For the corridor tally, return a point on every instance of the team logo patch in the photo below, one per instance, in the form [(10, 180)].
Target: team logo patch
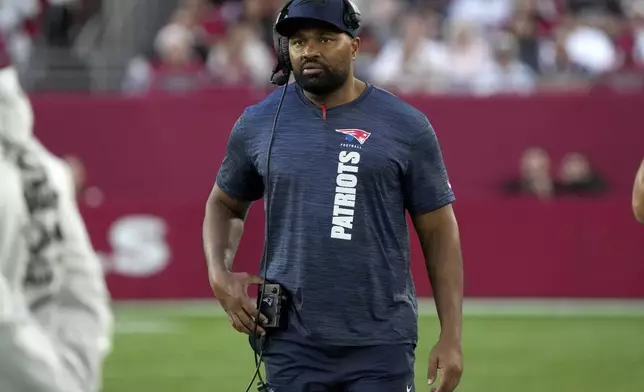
[(355, 134)]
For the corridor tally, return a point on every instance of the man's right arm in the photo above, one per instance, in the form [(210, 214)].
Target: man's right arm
[(638, 194), (222, 230), (238, 185)]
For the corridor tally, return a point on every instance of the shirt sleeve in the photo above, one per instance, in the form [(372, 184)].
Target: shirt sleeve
[(238, 176), (426, 183)]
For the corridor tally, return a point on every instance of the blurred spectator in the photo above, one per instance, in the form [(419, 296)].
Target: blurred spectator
[(577, 177), (467, 53), (242, 57), (201, 19), (636, 22), (14, 17), (262, 14), (414, 59), (506, 74), (490, 13), (535, 178), (58, 31), (557, 69), (588, 44), (603, 6), (370, 47), (63, 19), (524, 25), (436, 46), (177, 66), (379, 17)]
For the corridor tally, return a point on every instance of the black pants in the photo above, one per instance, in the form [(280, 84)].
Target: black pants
[(293, 367)]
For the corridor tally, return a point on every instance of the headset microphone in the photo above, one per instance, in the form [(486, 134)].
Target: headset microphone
[(280, 75)]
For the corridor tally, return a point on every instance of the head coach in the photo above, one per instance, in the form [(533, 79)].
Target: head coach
[(338, 167)]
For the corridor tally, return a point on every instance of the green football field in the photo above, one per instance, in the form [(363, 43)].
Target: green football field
[(508, 347)]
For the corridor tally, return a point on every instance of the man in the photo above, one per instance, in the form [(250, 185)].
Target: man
[(348, 160), (638, 194), (56, 328)]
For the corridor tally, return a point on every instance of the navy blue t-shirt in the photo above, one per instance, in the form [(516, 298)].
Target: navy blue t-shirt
[(339, 189)]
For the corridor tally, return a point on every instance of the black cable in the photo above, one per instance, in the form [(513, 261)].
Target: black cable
[(259, 363), (267, 207)]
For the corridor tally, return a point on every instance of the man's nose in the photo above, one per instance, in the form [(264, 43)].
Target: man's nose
[(310, 50)]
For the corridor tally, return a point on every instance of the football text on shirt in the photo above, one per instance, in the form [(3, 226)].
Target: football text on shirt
[(345, 195)]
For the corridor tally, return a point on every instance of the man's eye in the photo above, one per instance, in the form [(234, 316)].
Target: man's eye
[(325, 40)]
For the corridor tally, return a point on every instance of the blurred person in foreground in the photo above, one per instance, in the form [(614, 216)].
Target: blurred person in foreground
[(55, 320), (349, 160), (638, 194)]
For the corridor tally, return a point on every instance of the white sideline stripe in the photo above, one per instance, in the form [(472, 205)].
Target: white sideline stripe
[(472, 307), (125, 326)]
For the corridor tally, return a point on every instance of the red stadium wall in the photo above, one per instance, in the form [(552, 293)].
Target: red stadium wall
[(155, 159)]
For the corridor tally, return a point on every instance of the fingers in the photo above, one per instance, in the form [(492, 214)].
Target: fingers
[(450, 378), (432, 371), (244, 317), (238, 324), (253, 312), (250, 322), (243, 313), (253, 279), (243, 323)]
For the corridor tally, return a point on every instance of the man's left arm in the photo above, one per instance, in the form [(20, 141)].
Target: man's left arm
[(439, 239), (638, 194), (428, 198)]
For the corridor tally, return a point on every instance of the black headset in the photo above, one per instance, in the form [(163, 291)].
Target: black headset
[(350, 16)]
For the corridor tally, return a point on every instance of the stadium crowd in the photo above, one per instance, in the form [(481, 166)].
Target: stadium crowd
[(37, 37), (479, 47)]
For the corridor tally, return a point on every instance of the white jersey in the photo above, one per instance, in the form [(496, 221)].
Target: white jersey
[(52, 272), (16, 120), (13, 249), (29, 360), (78, 313)]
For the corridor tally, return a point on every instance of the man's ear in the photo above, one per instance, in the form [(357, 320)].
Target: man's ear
[(355, 47)]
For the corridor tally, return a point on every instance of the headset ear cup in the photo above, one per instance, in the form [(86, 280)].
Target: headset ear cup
[(282, 70), (356, 20), (284, 53), (352, 16)]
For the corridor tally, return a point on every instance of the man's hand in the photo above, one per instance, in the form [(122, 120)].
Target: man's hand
[(447, 357), (231, 289), (638, 194)]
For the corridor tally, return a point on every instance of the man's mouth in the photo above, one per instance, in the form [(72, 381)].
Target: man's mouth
[(311, 69)]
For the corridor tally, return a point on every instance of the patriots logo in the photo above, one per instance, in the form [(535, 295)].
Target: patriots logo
[(355, 134)]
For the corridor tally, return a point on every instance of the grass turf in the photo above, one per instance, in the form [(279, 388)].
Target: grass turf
[(171, 349)]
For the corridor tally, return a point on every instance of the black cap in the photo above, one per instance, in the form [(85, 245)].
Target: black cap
[(302, 11)]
